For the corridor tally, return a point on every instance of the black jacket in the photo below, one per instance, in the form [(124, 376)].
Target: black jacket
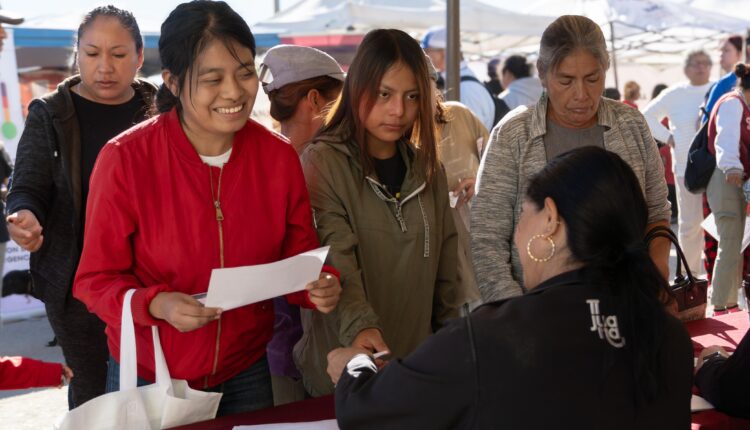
[(725, 382), (531, 362), (47, 181)]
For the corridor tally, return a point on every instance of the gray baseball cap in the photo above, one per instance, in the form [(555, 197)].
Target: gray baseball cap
[(286, 64), (7, 17)]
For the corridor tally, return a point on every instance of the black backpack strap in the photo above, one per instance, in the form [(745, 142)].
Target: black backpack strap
[(501, 108), (471, 78)]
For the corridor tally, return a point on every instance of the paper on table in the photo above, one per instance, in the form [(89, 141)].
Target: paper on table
[(313, 425), (698, 403), (239, 286), (709, 224)]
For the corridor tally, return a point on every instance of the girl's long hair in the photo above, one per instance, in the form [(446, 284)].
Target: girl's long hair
[(380, 50)]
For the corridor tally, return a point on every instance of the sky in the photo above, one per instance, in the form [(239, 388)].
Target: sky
[(146, 11)]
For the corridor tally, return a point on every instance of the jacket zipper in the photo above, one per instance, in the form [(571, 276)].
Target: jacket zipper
[(219, 219), (379, 189)]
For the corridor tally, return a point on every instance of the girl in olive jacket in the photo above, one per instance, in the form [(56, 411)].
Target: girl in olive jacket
[(380, 200)]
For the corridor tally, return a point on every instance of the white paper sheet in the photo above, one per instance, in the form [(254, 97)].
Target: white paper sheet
[(313, 425), (709, 224), (239, 286), (698, 403)]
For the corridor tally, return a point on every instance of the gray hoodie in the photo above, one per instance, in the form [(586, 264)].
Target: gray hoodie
[(523, 91)]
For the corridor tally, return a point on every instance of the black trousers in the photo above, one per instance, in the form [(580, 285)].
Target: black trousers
[(84, 345)]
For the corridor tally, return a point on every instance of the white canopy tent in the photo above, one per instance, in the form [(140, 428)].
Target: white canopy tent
[(654, 33), (413, 16), (646, 31), (479, 20), (650, 31)]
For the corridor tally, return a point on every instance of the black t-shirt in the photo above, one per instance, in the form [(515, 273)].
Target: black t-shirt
[(391, 173), (99, 123)]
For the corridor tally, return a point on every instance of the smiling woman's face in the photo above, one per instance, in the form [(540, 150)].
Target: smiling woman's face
[(574, 89), (219, 100)]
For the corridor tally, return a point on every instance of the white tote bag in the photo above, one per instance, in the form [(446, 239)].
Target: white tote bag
[(166, 403)]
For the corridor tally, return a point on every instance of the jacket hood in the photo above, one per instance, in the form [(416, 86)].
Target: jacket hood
[(347, 146), (64, 105), (530, 87)]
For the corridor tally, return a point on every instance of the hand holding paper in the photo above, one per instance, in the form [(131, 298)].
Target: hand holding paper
[(239, 286), (325, 292), (183, 312)]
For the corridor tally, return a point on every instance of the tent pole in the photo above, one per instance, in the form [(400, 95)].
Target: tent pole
[(614, 56), (453, 51)]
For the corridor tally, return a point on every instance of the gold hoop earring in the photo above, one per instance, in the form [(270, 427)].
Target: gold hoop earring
[(552, 251)]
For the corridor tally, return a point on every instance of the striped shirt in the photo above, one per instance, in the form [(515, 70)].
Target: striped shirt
[(515, 153)]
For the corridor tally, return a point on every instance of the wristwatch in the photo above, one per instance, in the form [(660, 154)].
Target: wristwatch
[(713, 355)]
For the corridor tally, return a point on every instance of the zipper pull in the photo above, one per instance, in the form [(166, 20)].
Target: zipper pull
[(219, 213)]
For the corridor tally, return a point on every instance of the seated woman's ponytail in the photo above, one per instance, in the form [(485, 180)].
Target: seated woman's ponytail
[(605, 214)]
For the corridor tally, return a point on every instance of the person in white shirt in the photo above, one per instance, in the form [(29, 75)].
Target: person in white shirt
[(681, 104), (473, 92), (729, 137)]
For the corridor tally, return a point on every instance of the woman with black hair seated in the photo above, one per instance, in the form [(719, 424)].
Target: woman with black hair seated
[(588, 346), (723, 378)]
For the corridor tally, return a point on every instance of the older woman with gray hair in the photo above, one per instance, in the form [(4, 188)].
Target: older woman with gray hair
[(571, 113)]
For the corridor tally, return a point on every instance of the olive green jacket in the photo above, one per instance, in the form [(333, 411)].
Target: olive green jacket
[(397, 258)]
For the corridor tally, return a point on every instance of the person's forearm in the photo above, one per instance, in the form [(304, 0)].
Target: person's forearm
[(659, 250)]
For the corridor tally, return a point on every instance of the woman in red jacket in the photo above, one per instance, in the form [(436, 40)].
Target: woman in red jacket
[(17, 373), (195, 188)]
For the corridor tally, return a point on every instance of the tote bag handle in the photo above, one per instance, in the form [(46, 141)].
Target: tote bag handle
[(128, 357)]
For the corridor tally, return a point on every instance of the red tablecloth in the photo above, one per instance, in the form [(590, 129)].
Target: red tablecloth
[(318, 409), (727, 331)]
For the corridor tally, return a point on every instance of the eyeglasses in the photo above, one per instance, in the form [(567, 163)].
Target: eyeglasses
[(697, 64)]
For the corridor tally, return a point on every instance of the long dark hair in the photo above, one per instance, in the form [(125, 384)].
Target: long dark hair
[(379, 50), (186, 32), (600, 200)]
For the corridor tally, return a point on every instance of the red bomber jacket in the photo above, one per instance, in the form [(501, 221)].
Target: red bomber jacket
[(158, 219), (19, 372)]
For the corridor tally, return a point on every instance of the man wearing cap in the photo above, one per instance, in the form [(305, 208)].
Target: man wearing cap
[(6, 166), (473, 93)]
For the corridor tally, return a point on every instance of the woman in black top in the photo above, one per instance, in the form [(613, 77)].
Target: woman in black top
[(56, 153), (589, 346), (723, 379)]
